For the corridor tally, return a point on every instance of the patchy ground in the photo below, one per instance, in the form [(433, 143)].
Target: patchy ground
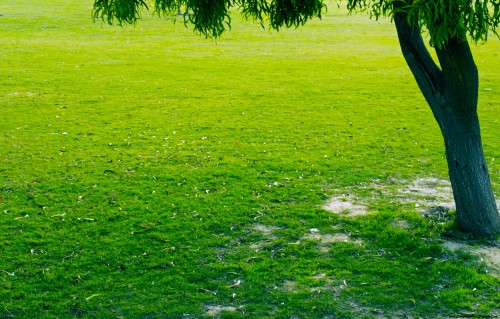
[(488, 254), (433, 198), (424, 193), (217, 310)]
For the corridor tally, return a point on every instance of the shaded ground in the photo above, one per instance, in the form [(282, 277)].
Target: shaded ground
[(431, 197)]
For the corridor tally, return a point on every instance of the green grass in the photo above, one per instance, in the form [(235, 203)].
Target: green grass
[(145, 171)]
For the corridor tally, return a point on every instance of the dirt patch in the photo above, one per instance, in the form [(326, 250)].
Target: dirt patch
[(320, 276), (430, 186), (345, 205), (216, 310), (325, 240), (328, 238), (290, 286), (490, 255), (432, 198), (323, 284), (427, 192), (424, 193), (401, 223), (265, 230)]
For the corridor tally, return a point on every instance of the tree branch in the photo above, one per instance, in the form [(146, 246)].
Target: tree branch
[(428, 75), (460, 72)]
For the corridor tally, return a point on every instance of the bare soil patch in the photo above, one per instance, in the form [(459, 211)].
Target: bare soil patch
[(216, 310), (490, 254), (432, 198), (325, 240), (346, 205), (267, 231), (427, 192), (424, 193)]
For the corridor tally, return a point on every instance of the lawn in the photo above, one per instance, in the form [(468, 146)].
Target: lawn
[(148, 172)]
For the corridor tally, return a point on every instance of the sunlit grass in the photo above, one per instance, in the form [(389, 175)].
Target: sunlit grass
[(147, 172)]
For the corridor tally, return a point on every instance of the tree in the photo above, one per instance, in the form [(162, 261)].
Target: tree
[(450, 85)]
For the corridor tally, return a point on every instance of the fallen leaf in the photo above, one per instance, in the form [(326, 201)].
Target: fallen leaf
[(236, 284)]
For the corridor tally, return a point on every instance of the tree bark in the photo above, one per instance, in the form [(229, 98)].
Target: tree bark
[(476, 207), (452, 94)]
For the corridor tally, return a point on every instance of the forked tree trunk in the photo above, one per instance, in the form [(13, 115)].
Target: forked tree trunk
[(452, 94)]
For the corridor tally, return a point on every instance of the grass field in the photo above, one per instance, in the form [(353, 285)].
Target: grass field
[(147, 172)]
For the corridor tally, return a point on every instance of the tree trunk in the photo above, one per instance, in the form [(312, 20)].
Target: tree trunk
[(451, 92), (476, 207)]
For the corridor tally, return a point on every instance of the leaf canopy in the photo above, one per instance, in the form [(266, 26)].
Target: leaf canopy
[(444, 19)]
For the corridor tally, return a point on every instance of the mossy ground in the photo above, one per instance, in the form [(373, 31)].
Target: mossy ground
[(147, 172)]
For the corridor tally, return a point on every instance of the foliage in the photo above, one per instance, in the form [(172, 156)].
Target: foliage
[(212, 18), (145, 173), (444, 19)]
